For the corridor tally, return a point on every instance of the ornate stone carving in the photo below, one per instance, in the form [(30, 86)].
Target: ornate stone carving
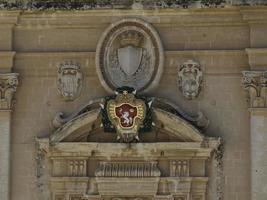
[(179, 168), (190, 79), (69, 80), (128, 169), (8, 86), (129, 53), (77, 168), (256, 84)]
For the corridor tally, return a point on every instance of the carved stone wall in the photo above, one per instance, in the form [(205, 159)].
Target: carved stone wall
[(223, 41), (132, 175)]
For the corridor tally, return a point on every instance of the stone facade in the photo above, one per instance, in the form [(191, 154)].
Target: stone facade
[(57, 150)]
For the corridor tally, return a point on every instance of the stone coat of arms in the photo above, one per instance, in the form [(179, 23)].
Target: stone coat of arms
[(129, 53), (69, 80)]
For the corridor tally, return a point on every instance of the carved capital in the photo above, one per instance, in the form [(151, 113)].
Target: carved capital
[(8, 86), (255, 82)]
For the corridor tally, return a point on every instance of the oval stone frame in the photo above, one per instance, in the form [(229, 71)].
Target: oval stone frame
[(112, 33)]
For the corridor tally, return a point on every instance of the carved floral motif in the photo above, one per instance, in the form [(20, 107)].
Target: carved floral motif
[(69, 80), (190, 79), (8, 86)]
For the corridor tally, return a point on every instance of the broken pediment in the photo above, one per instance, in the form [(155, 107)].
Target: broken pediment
[(168, 124)]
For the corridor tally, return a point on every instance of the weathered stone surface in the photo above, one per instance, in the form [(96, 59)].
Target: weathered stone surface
[(8, 87), (224, 42)]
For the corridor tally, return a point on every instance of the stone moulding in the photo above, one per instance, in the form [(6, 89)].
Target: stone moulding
[(8, 86), (112, 71), (119, 4)]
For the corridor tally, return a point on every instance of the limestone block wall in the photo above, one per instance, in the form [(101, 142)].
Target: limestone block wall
[(224, 41)]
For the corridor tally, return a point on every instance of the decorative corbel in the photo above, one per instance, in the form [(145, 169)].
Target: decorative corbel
[(8, 86), (256, 84)]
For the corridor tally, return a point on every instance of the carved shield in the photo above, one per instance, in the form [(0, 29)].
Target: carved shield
[(69, 80), (129, 59)]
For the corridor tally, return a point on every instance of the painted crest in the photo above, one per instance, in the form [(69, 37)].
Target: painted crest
[(129, 59), (126, 113)]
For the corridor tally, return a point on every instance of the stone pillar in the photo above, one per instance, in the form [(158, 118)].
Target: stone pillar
[(256, 84), (8, 85)]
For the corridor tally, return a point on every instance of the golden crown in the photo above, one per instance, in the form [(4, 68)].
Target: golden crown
[(130, 38)]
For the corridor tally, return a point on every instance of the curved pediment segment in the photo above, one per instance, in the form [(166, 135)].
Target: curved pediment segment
[(177, 126), (128, 117), (75, 127), (83, 126)]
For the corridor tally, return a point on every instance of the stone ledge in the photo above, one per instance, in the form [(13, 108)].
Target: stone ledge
[(258, 111), (171, 149), (9, 17)]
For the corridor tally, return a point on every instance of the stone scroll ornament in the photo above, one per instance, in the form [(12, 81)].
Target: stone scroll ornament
[(129, 53), (126, 114), (69, 80), (190, 79)]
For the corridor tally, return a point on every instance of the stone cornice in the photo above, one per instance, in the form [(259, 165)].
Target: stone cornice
[(258, 111), (233, 16), (122, 4), (256, 84), (171, 149), (8, 86), (9, 17)]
